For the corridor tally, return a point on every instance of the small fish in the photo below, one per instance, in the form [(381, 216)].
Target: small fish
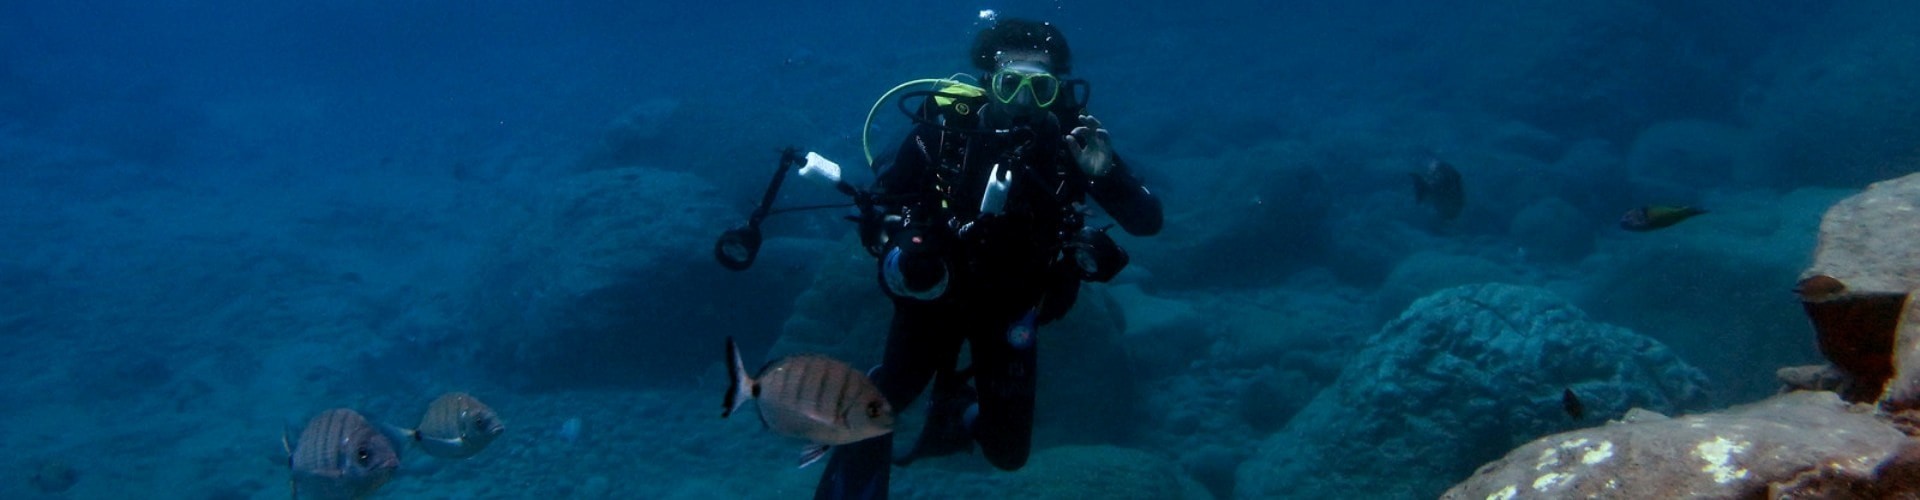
[(1571, 403), (339, 455), (812, 397), (1439, 187), (1653, 217), (456, 426), (1819, 288)]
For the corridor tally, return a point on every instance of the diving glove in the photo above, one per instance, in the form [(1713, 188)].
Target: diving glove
[(1092, 147)]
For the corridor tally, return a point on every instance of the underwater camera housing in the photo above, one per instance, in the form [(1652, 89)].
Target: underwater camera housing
[(1097, 256)]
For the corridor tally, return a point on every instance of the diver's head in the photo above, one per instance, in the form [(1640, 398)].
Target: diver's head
[(1021, 59), (1010, 35)]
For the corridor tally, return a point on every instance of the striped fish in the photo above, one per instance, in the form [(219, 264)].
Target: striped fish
[(456, 426), (812, 397), (339, 456)]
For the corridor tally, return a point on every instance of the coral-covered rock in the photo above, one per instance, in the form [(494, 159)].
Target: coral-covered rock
[(1863, 271), (1762, 449), (1456, 380), (1431, 271)]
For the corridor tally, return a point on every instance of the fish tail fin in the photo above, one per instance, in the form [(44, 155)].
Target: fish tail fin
[(739, 386), (399, 435), (1419, 188)]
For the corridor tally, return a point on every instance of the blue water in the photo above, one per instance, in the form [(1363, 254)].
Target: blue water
[(223, 217)]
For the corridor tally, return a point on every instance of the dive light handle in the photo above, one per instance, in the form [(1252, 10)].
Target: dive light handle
[(737, 247)]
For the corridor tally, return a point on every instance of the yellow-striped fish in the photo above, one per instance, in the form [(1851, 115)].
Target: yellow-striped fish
[(812, 397), (339, 456), (456, 426)]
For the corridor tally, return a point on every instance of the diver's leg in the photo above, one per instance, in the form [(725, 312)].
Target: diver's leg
[(920, 341), (1004, 372)]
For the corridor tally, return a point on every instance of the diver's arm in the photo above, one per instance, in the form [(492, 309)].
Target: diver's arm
[(1127, 200)]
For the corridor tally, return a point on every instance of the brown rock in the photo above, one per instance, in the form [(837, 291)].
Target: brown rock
[(1744, 452), (1861, 275), (1903, 392), (1812, 378)]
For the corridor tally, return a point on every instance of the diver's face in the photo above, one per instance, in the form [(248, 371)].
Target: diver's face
[(1022, 86)]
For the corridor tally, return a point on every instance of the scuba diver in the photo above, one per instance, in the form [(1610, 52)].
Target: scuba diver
[(980, 227)]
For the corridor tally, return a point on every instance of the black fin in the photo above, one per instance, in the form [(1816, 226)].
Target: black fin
[(737, 381)]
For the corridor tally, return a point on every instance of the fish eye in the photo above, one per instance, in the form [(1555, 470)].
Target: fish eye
[(873, 409), (363, 455)]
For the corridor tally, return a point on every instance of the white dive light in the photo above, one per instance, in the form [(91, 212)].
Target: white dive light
[(821, 169), (997, 184)]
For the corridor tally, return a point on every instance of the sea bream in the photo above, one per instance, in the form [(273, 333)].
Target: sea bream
[(339, 456), (812, 397), (456, 426)]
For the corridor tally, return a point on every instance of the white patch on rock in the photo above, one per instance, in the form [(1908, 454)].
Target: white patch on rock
[(1598, 453), (1548, 458), (1573, 444), (1719, 456), (1549, 481), (1506, 493)]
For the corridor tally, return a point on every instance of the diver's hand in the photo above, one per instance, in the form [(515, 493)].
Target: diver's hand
[(1091, 146)]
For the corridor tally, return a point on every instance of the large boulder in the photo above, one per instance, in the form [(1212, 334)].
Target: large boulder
[(1866, 240), (1863, 272), (613, 283), (1456, 380), (1803, 444)]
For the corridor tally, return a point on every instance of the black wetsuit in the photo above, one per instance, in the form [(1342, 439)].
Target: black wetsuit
[(1007, 269)]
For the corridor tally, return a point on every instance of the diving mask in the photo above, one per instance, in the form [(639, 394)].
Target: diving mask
[(1042, 87)]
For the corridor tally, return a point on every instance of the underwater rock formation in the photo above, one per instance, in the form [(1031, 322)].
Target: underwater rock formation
[(1862, 274), (1712, 291), (1107, 472), (612, 282), (636, 132), (1761, 449), (1456, 380)]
